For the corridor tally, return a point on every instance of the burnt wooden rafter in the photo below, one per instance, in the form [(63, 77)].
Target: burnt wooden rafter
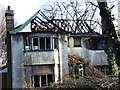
[(65, 25)]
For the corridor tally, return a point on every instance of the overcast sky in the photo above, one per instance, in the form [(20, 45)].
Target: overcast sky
[(24, 9)]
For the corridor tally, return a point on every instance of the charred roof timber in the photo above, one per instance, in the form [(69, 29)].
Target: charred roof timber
[(64, 25)]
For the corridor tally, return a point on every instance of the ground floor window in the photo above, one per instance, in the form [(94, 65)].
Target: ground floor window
[(104, 69), (42, 80)]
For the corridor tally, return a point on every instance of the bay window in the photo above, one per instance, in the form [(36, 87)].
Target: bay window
[(41, 43)]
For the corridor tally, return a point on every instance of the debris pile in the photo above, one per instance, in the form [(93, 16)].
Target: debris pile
[(93, 78)]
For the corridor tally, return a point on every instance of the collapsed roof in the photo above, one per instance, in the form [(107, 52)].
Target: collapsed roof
[(40, 22)]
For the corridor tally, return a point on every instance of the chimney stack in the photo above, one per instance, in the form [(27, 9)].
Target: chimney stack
[(9, 15)]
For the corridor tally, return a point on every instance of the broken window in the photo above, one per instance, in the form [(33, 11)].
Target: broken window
[(42, 43), (102, 44), (36, 81), (42, 80), (98, 44), (68, 42), (77, 41), (27, 43), (48, 46), (55, 43), (35, 43), (104, 69)]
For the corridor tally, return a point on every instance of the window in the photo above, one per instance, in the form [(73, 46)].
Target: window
[(27, 43), (55, 43), (104, 70), (35, 43), (77, 41), (48, 43), (42, 80), (98, 44), (101, 45), (36, 81), (41, 43), (68, 42)]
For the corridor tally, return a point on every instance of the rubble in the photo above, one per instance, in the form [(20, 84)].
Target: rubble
[(93, 78)]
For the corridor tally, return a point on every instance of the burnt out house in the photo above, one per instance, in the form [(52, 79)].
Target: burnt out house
[(90, 47), (37, 56), (40, 51)]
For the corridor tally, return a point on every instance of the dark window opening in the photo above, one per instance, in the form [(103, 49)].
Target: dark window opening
[(27, 43), (76, 73), (42, 43), (55, 43), (68, 42), (36, 81), (50, 79), (77, 42), (98, 44), (104, 70), (35, 43), (43, 80), (48, 46)]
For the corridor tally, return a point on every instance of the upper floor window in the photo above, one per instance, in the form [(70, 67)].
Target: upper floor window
[(98, 44), (55, 43), (41, 43), (35, 45), (77, 41), (27, 43)]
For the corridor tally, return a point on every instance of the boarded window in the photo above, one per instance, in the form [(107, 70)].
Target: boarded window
[(77, 41)]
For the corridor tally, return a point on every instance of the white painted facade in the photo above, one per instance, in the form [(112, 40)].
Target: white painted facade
[(53, 61), (93, 57)]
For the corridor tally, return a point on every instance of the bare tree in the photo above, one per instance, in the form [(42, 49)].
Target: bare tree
[(3, 53), (109, 29), (80, 17)]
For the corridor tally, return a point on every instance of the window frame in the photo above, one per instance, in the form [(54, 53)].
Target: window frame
[(49, 43), (55, 43), (33, 43), (47, 84), (77, 38), (27, 47)]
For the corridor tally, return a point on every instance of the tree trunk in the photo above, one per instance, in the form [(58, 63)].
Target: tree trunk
[(109, 29)]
